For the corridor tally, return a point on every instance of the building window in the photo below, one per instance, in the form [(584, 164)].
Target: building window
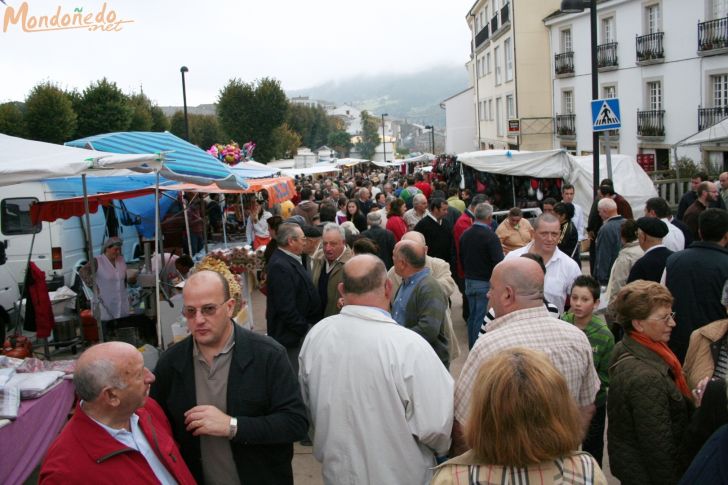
[(566, 45), (508, 51), (496, 55), (654, 95), (610, 91), (567, 102), (510, 107), (478, 68), (499, 116), (652, 18), (490, 109), (487, 63), (495, 6), (719, 85), (720, 9), (608, 33)]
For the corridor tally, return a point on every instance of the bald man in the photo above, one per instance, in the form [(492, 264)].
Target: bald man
[(379, 366), (516, 295), (117, 434), (231, 395), (420, 304)]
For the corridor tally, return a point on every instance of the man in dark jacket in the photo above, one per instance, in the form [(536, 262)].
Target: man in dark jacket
[(437, 232), (695, 277), (383, 237), (689, 197), (650, 231), (231, 396), (293, 303)]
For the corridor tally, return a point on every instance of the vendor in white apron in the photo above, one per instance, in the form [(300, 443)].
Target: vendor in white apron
[(111, 295)]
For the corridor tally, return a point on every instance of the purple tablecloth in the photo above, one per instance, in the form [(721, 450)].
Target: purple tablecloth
[(24, 442)]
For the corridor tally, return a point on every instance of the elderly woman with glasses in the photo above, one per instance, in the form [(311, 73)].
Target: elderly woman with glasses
[(649, 402)]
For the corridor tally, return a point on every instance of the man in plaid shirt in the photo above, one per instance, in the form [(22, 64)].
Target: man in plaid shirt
[(516, 295)]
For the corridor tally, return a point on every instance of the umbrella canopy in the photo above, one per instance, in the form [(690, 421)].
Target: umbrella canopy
[(718, 133), (24, 160), (183, 161)]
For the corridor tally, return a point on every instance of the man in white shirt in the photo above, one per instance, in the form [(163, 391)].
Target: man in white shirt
[(657, 207), (567, 195), (379, 398), (561, 270)]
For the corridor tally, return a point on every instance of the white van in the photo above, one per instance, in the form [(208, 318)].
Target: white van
[(59, 248)]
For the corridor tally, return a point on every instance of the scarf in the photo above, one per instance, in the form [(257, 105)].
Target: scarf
[(661, 349)]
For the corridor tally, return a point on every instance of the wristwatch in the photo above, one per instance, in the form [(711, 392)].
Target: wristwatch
[(233, 428)]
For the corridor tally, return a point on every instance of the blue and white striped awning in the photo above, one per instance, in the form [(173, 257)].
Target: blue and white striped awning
[(182, 161)]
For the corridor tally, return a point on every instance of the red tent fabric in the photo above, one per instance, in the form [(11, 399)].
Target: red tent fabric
[(51, 210)]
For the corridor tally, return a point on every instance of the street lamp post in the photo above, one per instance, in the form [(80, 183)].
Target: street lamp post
[(183, 70), (432, 137), (384, 140), (576, 6)]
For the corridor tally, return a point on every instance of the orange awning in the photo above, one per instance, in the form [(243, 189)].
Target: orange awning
[(279, 188)]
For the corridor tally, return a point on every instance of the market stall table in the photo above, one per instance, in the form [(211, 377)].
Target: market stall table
[(24, 442)]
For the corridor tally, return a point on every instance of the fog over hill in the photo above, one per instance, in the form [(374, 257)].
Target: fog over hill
[(415, 96)]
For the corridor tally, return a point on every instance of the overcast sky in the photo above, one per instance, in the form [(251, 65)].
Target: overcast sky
[(299, 42)]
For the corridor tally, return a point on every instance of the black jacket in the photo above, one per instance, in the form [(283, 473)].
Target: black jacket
[(262, 393), (438, 238), (695, 277), (480, 251), (292, 303), (385, 240), (650, 266)]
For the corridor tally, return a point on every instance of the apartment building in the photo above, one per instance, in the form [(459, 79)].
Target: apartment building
[(666, 61), (510, 71)]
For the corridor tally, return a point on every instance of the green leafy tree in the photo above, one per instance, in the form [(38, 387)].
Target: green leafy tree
[(103, 108), (204, 129), (252, 111), (369, 138), (286, 141), (141, 118), (12, 121), (49, 114), (341, 142), (312, 123), (160, 122)]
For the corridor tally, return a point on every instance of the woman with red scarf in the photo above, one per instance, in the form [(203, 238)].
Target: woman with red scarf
[(649, 402)]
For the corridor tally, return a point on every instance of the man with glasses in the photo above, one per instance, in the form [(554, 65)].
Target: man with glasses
[(231, 396), (516, 296), (293, 303)]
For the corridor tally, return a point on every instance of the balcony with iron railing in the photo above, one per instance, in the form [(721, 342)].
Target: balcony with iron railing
[(651, 123), (565, 126), (607, 56), (650, 49), (564, 64), (482, 36), (708, 117), (713, 37)]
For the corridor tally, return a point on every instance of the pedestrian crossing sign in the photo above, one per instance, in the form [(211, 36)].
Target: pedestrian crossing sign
[(605, 114)]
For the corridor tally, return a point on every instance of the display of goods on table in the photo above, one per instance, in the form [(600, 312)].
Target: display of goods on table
[(241, 259)]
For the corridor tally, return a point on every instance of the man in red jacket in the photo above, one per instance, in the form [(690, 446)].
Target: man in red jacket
[(117, 434)]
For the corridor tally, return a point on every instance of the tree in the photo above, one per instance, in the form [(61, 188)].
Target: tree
[(141, 118), (12, 121), (49, 114), (205, 130), (103, 108), (160, 122), (251, 112), (286, 141), (369, 139), (341, 142), (312, 123)]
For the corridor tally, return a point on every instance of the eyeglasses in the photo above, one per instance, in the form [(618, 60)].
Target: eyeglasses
[(664, 319), (207, 310)]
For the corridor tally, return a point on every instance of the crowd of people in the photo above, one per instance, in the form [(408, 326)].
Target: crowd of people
[(359, 279)]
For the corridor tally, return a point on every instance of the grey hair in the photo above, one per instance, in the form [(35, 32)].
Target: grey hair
[(545, 217), (370, 281), (374, 218), (413, 256), (286, 231), (419, 198), (90, 380), (332, 226), (483, 211), (607, 204)]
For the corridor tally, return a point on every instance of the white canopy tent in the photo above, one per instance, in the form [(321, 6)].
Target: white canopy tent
[(718, 133), (630, 180), (318, 168)]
